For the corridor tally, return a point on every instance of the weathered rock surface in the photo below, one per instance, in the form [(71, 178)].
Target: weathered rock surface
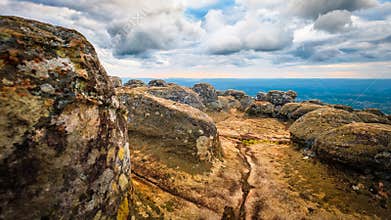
[(63, 136), (293, 111), (260, 108), (176, 93), (228, 103), (313, 124), (133, 83), (369, 117), (116, 81), (208, 95), (278, 98), (191, 132), (157, 83), (245, 100), (360, 145)]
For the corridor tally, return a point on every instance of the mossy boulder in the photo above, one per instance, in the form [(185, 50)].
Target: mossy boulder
[(359, 145), (188, 130), (63, 136), (313, 124), (228, 103)]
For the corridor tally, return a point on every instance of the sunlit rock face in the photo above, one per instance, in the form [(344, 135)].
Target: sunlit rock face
[(63, 135), (190, 132)]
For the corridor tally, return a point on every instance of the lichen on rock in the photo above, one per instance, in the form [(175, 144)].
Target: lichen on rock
[(58, 121)]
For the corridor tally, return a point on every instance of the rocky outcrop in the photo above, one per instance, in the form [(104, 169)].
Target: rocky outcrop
[(63, 141), (157, 83), (116, 81), (277, 98), (228, 103), (176, 93), (133, 83), (260, 108), (245, 100), (313, 124), (191, 132), (360, 145), (293, 111), (369, 117), (208, 95)]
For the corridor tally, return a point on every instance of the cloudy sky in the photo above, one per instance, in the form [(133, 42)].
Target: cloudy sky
[(227, 38)]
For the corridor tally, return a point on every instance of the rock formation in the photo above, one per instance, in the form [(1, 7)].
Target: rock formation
[(360, 145), (178, 94), (116, 81), (191, 132), (260, 108), (63, 141), (293, 111), (313, 124), (242, 97), (277, 98), (157, 83), (133, 83)]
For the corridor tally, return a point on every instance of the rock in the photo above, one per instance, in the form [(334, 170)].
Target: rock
[(235, 93), (293, 111), (190, 131), (208, 95), (343, 107), (117, 82), (313, 124), (261, 96), (280, 98), (374, 111), (314, 101), (286, 110), (176, 93), (133, 83), (245, 100), (229, 103), (260, 108), (372, 118), (359, 145), (63, 135), (157, 83)]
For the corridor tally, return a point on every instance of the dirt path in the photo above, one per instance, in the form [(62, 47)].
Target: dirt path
[(262, 176)]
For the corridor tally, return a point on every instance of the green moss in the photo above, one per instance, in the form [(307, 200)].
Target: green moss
[(248, 142)]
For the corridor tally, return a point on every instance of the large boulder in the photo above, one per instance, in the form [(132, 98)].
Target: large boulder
[(260, 108), (176, 93), (278, 98), (293, 111), (116, 81), (188, 129), (134, 83), (313, 124), (360, 145), (208, 95), (63, 136), (157, 83), (228, 103), (242, 97)]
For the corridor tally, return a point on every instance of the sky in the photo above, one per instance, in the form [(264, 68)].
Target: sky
[(227, 38)]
